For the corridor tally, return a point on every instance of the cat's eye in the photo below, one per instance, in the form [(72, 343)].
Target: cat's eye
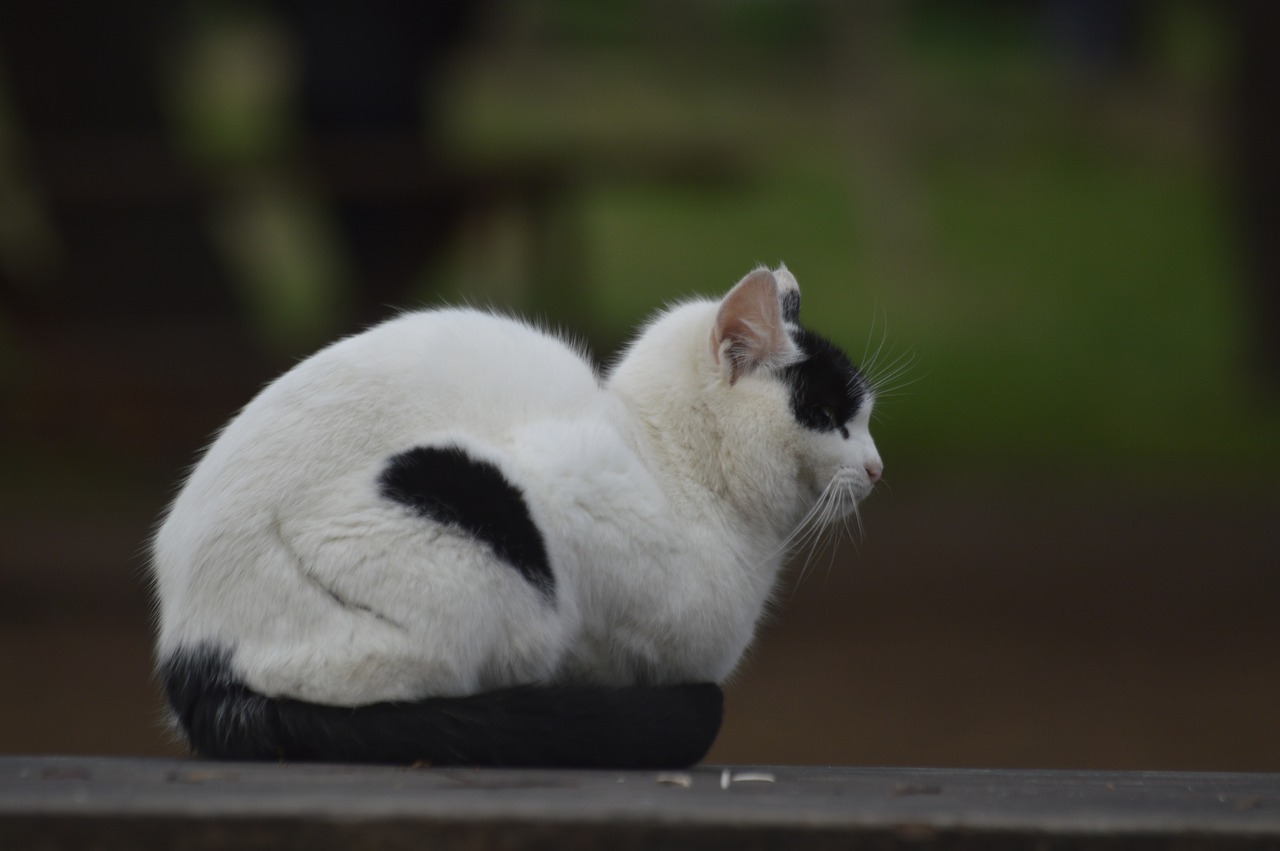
[(833, 422)]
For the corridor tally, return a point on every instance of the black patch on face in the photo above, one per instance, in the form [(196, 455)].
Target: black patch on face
[(449, 486), (826, 388)]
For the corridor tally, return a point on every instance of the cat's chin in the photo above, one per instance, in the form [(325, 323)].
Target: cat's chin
[(847, 488)]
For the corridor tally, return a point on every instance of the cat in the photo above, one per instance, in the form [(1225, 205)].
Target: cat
[(448, 539)]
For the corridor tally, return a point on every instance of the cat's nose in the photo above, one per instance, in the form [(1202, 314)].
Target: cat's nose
[(875, 469)]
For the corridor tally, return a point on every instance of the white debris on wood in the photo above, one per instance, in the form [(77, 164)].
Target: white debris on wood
[(727, 778), (753, 777), (684, 781)]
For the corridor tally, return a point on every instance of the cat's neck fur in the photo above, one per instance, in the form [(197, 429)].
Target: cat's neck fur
[(710, 458)]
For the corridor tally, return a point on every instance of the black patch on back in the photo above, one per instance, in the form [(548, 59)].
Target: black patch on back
[(449, 486), (561, 725), (824, 380)]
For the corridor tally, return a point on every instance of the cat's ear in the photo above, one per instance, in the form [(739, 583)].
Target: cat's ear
[(749, 332), (788, 294)]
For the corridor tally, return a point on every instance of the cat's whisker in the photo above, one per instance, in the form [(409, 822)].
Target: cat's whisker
[(798, 536), (869, 361), (811, 521), (849, 498), (808, 558), (828, 542), (885, 391), (818, 525), (810, 553), (885, 379), (808, 531), (824, 523), (905, 355), (868, 358)]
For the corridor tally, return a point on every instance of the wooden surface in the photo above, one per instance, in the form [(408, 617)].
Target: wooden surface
[(74, 802)]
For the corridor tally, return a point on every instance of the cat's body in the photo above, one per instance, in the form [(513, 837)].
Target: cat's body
[(453, 504)]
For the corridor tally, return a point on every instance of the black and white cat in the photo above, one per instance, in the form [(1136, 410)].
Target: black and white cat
[(448, 539)]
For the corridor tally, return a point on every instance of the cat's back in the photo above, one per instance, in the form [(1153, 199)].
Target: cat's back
[(414, 379), (453, 368), (479, 356)]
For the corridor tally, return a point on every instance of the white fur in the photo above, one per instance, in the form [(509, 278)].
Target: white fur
[(664, 493)]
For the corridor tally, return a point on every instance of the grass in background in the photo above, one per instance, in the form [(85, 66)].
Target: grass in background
[(1057, 261), (1054, 255)]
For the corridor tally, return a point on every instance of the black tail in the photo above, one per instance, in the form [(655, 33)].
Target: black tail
[(548, 726)]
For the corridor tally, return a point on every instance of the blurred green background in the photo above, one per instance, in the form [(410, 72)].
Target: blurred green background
[(1048, 227)]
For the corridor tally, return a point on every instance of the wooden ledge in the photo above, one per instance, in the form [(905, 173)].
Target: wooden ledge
[(140, 804)]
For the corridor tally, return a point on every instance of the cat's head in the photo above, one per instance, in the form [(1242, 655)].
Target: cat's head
[(821, 417), (760, 410)]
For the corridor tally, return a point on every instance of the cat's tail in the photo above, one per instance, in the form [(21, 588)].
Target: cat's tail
[(548, 726)]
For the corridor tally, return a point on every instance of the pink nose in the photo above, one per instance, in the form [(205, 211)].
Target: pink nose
[(875, 469)]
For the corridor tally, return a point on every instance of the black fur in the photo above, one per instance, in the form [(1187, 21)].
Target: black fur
[(577, 726), (826, 388), (449, 486), (791, 305)]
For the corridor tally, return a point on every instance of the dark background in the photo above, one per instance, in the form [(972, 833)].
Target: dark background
[(1048, 228)]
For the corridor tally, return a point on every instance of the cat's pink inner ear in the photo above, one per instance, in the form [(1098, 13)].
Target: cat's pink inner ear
[(749, 332)]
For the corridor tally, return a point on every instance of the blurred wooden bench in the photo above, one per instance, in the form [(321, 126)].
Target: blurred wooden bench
[(140, 804)]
